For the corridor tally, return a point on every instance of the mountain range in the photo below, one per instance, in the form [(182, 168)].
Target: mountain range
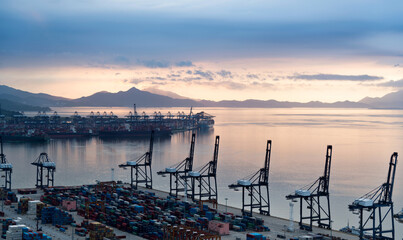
[(26, 100)]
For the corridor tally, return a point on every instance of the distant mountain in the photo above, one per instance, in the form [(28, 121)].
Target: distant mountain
[(164, 93), (16, 106), (127, 98), (276, 104), (391, 100), (148, 99), (23, 97)]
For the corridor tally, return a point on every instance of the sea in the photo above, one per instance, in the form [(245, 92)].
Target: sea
[(363, 141)]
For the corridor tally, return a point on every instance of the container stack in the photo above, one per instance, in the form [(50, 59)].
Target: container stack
[(15, 232), (98, 231), (47, 215), (23, 205), (255, 236), (146, 215), (31, 235), (32, 207), (55, 216), (61, 217), (5, 224), (39, 208), (12, 197)]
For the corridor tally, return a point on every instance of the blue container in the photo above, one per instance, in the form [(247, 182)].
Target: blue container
[(139, 209), (209, 215)]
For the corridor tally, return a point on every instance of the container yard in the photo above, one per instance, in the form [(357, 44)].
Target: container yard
[(43, 127), (112, 211)]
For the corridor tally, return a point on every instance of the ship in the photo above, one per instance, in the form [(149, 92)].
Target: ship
[(105, 125), (71, 132), (24, 136)]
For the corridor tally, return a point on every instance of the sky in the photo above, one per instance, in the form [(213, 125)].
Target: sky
[(288, 50)]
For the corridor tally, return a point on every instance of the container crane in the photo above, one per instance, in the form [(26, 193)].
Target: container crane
[(141, 168), (312, 195), (41, 163), (176, 172), (374, 202), (256, 187), (205, 179), (5, 167)]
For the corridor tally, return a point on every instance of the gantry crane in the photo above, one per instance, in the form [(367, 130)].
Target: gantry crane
[(41, 163), (176, 172), (256, 188), (141, 167), (203, 181), (374, 202), (5, 167), (312, 195)]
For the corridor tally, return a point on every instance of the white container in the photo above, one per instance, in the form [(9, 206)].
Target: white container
[(303, 193), (49, 164), (244, 182), (364, 202), (194, 174), (131, 163), (6, 166), (32, 207), (170, 170)]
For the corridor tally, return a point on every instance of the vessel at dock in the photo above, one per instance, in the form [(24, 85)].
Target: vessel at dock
[(23, 136), (42, 127)]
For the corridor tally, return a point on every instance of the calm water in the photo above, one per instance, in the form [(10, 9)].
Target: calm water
[(363, 141)]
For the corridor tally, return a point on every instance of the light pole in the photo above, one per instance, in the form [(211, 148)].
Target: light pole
[(226, 200), (3, 190)]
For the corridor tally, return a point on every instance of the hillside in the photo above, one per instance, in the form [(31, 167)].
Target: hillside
[(33, 99), (391, 100), (148, 99), (16, 106)]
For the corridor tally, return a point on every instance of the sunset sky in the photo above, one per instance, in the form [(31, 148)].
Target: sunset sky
[(284, 50)]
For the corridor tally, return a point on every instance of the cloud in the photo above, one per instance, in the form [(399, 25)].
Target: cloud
[(184, 64), (394, 84), (207, 74), (233, 85), (173, 75), (252, 76), (337, 77), (154, 63), (135, 80), (225, 74)]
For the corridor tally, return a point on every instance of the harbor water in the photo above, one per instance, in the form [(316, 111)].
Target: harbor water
[(363, 141)]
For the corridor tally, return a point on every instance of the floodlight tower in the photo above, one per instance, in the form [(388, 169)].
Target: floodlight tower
[(374, 202), (41, 163), (178, 172), (256, 188), (141, 168), (5, 167), (205, 179), (312, 195)]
